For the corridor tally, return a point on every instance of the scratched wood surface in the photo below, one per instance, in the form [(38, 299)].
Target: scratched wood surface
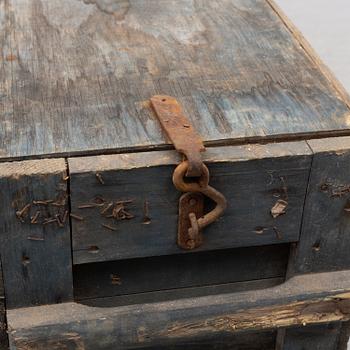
[(35, 241), (324, 242), (254, 178), (74, 75), (307, 299)]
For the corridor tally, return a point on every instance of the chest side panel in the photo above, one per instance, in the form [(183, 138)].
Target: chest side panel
[(325, 240), (35, 243)]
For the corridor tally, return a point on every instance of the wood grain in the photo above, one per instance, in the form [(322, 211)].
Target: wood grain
[(35, 238), (75, 75), (324, 242), (308, 299), (253, 178)]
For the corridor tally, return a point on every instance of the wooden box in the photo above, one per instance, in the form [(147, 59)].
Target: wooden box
[(79, 139)]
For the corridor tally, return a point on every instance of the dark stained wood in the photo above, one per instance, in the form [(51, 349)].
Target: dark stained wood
[(3, 333), (253, 178), (74, 76), (181, 293), (344, 336), (308, 299), (247, 341), (325, 243), (179, 271), (320, 337), (35, 249)]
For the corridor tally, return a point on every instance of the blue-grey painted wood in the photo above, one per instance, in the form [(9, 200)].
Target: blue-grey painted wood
[(253, 178), (325, 241), (3, 333), (75, 75), (35, 247), (310, 299)]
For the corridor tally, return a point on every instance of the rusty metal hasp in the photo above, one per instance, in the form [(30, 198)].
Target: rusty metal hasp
[(196, 187)]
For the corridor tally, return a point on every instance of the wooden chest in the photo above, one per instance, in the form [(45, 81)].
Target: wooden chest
[(89, 212)]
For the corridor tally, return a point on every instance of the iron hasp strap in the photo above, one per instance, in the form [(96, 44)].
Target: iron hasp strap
[(180, 132)]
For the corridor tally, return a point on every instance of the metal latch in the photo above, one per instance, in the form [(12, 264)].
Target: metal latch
[(190, 176)]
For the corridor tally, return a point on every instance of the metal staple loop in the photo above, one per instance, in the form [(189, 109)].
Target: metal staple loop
[(203, 187)]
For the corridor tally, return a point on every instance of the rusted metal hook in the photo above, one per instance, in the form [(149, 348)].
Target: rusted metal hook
[(186, 141), (192, 239)]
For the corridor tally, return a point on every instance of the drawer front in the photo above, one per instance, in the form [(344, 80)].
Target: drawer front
[(254, 179)]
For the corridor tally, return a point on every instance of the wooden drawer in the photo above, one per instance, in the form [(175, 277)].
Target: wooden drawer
[(253, 178)]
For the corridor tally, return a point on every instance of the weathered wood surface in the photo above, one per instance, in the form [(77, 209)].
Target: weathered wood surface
[(75, 75), (325, 241), (179, 271), (302, 300), (3, 334), (35, 236), (253, 178)]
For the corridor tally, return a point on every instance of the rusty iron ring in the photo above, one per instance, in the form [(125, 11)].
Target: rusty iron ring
[(180, 174), (201, 186)]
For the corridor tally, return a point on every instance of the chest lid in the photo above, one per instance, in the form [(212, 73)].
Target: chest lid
[(76, 76)]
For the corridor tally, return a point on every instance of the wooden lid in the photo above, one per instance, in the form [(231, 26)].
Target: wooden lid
[(76, 77)]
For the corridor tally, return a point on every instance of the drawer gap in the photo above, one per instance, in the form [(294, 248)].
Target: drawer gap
[(143, 280)]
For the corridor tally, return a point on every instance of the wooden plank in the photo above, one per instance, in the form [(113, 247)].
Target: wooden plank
[(344, 336), (181, 293), (76, 76), (3, 327), (320, 337), (35, 240), (247, 341), (179, 271), (324, 243), (253, 178), (307, 299)]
